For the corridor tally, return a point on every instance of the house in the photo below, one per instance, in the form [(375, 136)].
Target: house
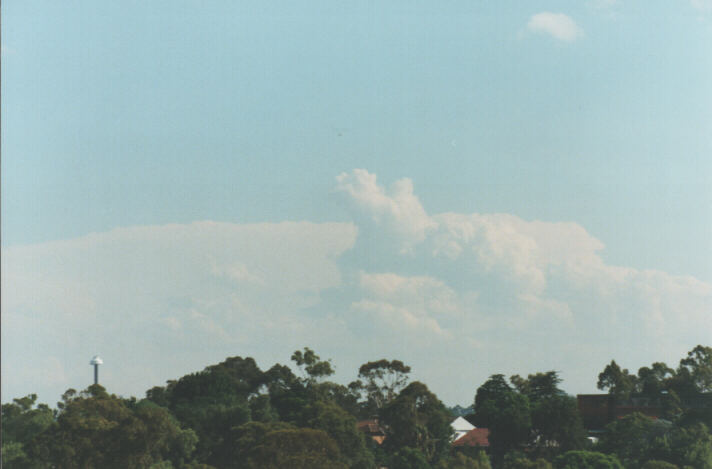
[(460, 426), (478, 437), (372, 429), (467, 434)]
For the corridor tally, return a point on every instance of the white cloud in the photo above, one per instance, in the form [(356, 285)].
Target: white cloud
[(399, 210), (504, 278), (557, 25)]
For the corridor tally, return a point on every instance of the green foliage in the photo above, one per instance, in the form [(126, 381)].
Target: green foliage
[(619, 383), (417, 419), (214, 400), (312, 366), (381, 381), (654, 464), (95, 429), (631, 438), (261, 409), (524, 463), (13, 455), (586, 460), (341, 427), (408, 458), (698, 366), (538, 386), (299, 448), (235, 449), (653, 380), (22, 420), (556, 423), (505, 412), (685, 446), (458, 460)]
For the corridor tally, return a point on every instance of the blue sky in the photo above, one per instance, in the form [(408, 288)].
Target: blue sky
[(472, 187)]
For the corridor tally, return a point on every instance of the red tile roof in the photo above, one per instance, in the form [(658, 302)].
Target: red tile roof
[(475, 437)]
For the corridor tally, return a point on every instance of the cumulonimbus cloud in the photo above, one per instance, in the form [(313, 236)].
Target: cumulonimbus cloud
[(503, 272), (457, 296)]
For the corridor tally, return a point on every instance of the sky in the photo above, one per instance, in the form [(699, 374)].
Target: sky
[(470, 187)]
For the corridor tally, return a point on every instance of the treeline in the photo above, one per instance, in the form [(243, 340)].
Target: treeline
[(235, 415)]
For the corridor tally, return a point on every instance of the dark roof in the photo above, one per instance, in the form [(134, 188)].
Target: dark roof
[(475, 437)]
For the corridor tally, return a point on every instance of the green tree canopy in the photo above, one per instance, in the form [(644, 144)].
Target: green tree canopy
[(619, 382), (312, 366), (587, 460), (381, 381), (631, 438), (297, 448), (417, 419), (95, 429), (505, 412)]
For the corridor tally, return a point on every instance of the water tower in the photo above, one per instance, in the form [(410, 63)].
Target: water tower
[(96, 361)]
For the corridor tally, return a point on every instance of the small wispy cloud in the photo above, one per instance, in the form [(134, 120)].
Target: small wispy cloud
[(702, 5), (556, 25)]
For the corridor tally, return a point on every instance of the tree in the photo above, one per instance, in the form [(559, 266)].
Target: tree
[(458, 460), (698, 366), (538, 386), (632, 438), (213, 400), (298, 448), (312, 366), (408, 458), (22, 420), (341, 427), (654, 464), (417, 419), (505, 412), (235, 449), (381, 381), (586, 460), (95, 429), (619, 383), (653, 380), (685, 446), (524, 463), (556, 423)]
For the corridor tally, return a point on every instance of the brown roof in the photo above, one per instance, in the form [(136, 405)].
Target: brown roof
[(475, 437), (370, 427)]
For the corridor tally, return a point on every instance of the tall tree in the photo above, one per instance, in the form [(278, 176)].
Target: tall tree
[(556, 423), (341, 427), (417, 419), (381, 381), (698, 366), (619, 382), (505, 412), (312, 366), (653, 380)]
